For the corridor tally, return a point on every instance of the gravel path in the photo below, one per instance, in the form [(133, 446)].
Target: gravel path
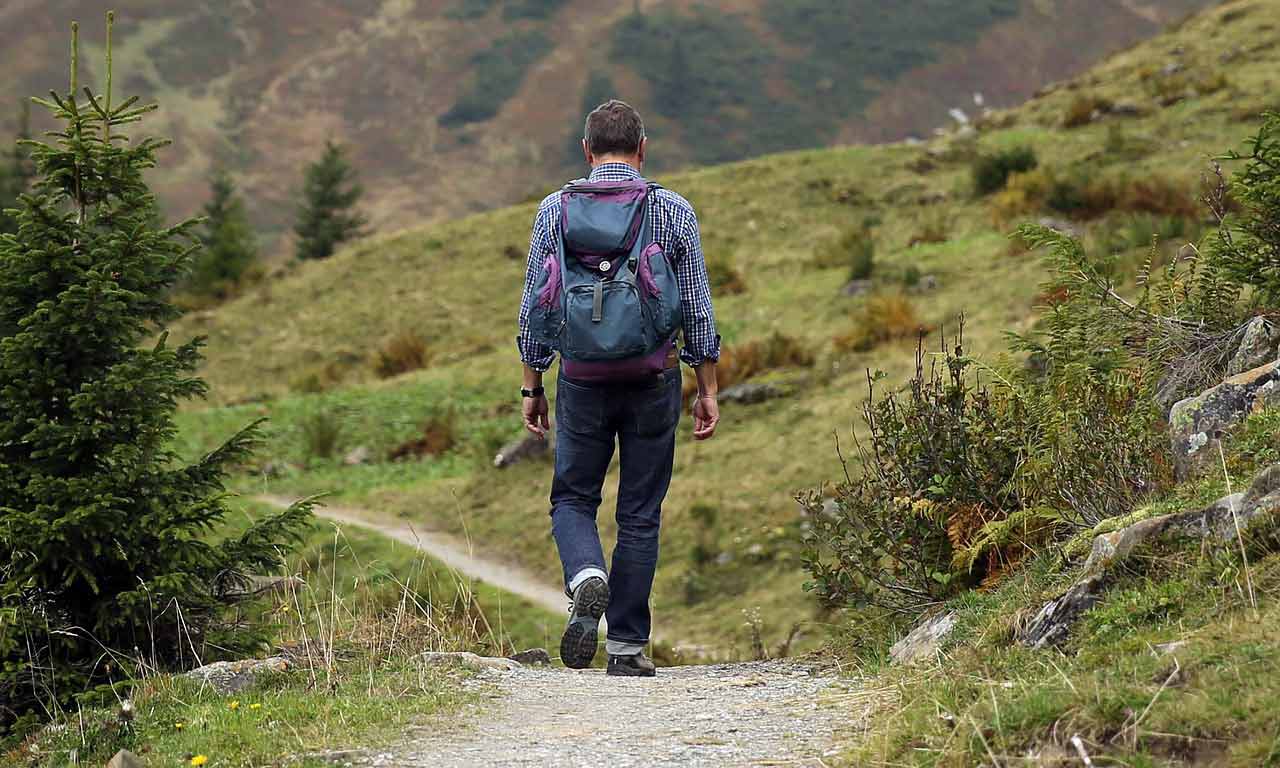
[(764, 713)]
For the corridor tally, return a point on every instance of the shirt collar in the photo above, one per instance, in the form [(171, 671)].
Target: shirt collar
[(613, 172)]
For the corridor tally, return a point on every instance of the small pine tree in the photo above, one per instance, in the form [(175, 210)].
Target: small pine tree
[(227, 238), (327, 216), (105, 550), (15, 173)]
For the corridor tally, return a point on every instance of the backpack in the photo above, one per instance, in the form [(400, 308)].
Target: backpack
[(607, 298)]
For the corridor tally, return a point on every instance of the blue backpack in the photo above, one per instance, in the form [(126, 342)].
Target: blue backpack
[(607, 299)]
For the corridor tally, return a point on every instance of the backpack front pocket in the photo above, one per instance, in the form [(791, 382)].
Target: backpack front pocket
[(606, 321)]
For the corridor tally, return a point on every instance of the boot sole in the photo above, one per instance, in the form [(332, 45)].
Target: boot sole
[(578, 644)]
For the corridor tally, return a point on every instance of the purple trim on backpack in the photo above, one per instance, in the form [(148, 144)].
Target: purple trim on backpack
[(550, 291), (619, 370), (645, 272)]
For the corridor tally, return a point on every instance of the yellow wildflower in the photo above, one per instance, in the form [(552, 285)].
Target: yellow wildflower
[(178, 726), (199, 760), (255, 705), (233, 705)]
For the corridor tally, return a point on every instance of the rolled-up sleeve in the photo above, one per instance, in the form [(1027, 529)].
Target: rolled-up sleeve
[(701, 341), (533, 354)]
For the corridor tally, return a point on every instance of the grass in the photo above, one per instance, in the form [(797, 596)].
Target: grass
[(280, 721), (766, 218), (365, 609)]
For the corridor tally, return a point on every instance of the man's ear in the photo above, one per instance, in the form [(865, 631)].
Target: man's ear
[(586, 152), (644, 145)]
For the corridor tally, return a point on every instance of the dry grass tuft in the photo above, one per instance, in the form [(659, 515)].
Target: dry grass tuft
[(402, 353), (884, 317), (439, 435)]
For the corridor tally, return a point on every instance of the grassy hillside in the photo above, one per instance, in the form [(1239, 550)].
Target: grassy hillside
[(1120, 149), (442, 99)]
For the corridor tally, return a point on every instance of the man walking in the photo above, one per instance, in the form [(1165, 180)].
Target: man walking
[(619, 377)]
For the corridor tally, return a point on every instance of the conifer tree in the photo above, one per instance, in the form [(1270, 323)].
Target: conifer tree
[(227, 238), (105, 547), (15, 173), (327, 216)]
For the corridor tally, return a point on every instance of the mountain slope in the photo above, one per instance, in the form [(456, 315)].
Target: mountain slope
[(454, 106), (1146, 121)]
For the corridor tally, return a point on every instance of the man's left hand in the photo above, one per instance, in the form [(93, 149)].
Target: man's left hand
[(536, 415)]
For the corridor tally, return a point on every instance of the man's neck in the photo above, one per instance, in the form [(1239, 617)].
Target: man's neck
[(614, 159)]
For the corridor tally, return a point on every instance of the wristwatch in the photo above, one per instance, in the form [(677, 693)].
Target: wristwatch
[(535, 392)]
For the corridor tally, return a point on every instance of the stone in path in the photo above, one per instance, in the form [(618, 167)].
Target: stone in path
[(715, 715)]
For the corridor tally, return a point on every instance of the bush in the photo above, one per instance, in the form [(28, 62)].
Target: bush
[(883, 317), (495, 74), (439, 435), (322, 432), (402, 353), (740, 362), (1081, 194), (854, 248), (991, 172), (725, 279), (1084, 109)]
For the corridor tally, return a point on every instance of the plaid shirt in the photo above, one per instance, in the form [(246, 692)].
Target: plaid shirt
[(674, 227)]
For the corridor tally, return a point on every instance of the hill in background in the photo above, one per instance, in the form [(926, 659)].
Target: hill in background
[(455, 106), (1121, 152)]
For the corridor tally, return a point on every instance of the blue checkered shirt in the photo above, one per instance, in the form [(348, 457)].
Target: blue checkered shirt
[(674, 227)]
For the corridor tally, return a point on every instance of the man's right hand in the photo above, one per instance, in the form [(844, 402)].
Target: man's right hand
[(537, 415)]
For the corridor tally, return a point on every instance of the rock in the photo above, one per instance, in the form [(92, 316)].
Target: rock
[(926, 284), (1196, 424), (275, 469), (1217, 522), (1127, 109), (923, 641), (750, 394), (232, 676), (1052, 623), (468, 660), (523, 449), (356, 456), (125, 759), (1060, 225), (532, 657), (855, 288), (1258, 346)]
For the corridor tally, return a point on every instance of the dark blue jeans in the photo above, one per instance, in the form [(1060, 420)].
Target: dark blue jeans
[(642, 417)]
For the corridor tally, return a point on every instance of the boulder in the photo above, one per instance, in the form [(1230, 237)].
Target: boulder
[(467, 660), (924, 641), (1216, 523), (1258, 346), (227, 677), (125, 759), (855, 288), (1053, 621), (1196, 424), (524, 448), (537, 657), (750, 394), (357, 456)]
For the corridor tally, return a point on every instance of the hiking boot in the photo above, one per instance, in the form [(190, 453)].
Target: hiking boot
[(631, 665), (578, 645)]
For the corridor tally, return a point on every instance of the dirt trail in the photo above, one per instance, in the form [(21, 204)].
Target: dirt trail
[(763, 713), (448, 550)]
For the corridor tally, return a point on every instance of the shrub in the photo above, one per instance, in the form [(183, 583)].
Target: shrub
[(321, 431), (725, 279), (883, 317), (740, 362), (1084, 109), (1081, 194), (991, 172), (402, 353), (439, 435), (495, 74), (854, 248)]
